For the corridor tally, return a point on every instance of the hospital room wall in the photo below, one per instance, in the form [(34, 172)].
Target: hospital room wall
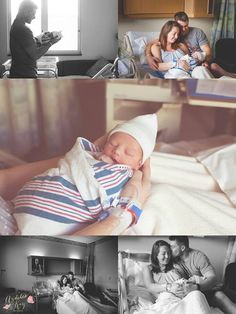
[(152, 25), (40, 119), (99, 23), (13, 258), (211, 246), (105, 263)]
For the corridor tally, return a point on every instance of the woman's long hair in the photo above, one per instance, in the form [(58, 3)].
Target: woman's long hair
[(167, 27), (155, 266), (60, 282)]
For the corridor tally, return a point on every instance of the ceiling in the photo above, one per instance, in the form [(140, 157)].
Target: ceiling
[(81, 239)]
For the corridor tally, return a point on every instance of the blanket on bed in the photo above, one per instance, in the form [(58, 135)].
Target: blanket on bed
[(77, 303), (191, 195), (167, 303)]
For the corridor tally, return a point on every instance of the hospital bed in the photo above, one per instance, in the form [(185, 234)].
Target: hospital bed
[(47, 67), (133, 47), (132, 291), (193, 165)]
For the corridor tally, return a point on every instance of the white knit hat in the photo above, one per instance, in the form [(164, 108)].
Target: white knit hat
[(143, 129)]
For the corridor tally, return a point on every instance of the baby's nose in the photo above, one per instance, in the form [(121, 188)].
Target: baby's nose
[(116, 151)]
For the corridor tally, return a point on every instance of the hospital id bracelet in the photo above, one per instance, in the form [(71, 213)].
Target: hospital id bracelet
[(174, 64), (124, 201), (135, 212), (168, 287), (103, 215)]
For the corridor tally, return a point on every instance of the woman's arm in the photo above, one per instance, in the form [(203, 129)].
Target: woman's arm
[(138, 189), (149, 282), (156, 52), (151, 60), (12, 179), (155, 288)]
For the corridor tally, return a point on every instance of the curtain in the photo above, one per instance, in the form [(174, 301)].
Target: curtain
[(231, 251), (90, 264), (224, 21), (123, 299), (39, 118)]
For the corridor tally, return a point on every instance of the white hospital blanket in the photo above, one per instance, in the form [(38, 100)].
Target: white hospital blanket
[(189, 197), (195, 303)]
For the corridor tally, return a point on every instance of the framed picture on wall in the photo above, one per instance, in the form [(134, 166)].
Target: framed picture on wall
[(36, 265)]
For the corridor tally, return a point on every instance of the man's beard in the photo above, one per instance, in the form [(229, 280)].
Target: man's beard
[(176, 258)]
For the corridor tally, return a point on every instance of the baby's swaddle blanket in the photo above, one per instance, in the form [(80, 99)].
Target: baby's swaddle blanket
[(62, 199), (180, 72)]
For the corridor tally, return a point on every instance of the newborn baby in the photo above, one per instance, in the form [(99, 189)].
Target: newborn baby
[(178, 72), (87, 180)]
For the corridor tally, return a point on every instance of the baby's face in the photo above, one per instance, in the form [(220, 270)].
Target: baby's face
[(122, 148)]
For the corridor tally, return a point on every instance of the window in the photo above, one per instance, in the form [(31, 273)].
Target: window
[(54, 15)]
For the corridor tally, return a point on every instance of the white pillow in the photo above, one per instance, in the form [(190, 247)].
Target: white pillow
[(138, 41), (134, 271)]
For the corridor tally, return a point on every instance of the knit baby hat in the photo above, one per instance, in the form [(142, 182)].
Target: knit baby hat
[(143, 129)]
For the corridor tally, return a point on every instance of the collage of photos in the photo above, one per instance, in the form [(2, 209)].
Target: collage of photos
[(118, 157)]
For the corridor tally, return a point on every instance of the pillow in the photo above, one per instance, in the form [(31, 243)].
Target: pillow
[(141, 43), (138, 41), (134, 272)]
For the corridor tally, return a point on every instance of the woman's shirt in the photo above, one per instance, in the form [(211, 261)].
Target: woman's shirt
[(168, 277), (174, 55)]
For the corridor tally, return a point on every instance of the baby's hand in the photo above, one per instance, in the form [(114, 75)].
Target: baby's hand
[(200, 56), (196, 279), (183, 64), (181, 281), (106, 159)]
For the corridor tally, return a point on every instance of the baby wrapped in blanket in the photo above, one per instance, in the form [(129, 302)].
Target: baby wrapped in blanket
[(177, 72), (168, 303), (86, 182)]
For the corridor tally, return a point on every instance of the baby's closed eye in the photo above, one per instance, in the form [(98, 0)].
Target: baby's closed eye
[(130, 153)]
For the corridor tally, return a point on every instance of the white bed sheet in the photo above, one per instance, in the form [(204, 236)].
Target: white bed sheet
[(76, 303), (191, 195)]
